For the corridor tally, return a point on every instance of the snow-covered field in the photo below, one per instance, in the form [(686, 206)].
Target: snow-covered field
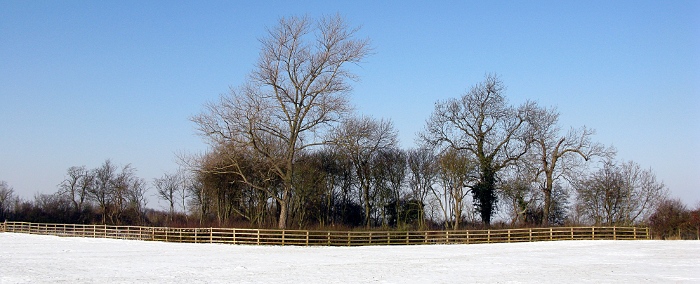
[(43, 259)]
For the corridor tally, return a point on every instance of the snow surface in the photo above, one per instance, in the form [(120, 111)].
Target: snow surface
[(43, 259)]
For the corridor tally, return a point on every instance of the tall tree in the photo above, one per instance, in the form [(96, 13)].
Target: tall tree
[(296, 92), (482, 124), (557, 156)]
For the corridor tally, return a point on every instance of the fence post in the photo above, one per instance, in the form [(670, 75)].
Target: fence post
[(211, 235), (614, 233), (592, 233), (572, 233), (508, 235), (635, 233), (307, 238), (488, 236), (258, 236), (551, 235), (530, 231)]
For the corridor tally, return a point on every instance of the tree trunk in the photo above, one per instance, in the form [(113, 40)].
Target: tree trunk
[(547, 205), (365, 196), (284, 211), (547, 190)]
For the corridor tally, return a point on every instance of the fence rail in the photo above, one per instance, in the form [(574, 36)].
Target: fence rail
[(326, 238)]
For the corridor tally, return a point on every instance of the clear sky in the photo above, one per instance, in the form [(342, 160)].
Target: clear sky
[(86, 81)]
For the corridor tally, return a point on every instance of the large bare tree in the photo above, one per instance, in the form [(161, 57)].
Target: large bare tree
[(297, 90), (557, 156), (482, 124)]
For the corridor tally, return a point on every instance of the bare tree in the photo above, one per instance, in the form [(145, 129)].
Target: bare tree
[(136, 197), (6, 199), (517, 194), (199, 201), (482, 124), (360, 140), (103, 188), (456, 170), (122, 185), (619, 194), (167, 188), (422, 175), (75, 187), (557, 156), (296, 92)]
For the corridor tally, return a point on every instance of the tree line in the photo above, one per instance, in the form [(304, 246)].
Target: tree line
[(287, 150)]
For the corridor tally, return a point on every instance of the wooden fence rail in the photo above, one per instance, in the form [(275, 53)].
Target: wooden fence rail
[(326, 238)]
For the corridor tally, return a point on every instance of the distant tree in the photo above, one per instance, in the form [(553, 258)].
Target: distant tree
[(124, 183), (619, 194), (361, 140), (228, 194), (482, 124), (422, 176), (137, 201), (519, 198), (103, 188), (695, 220), (556, 156), (296, 92), (393, 162), (167, 188), (670, 219), (75, 187), (118, 193), (6, 199), (455, 171), (200, 201)]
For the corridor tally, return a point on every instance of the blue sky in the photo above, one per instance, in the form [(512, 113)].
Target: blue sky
[(86, 81)]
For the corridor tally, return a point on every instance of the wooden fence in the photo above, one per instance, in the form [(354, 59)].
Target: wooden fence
[(327, 238)]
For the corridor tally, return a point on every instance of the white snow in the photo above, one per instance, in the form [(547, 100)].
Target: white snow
[(48, 259)]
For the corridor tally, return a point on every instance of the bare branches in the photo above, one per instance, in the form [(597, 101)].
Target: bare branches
[(484, 125), (619, 194), (361, 140), (295, 94)]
